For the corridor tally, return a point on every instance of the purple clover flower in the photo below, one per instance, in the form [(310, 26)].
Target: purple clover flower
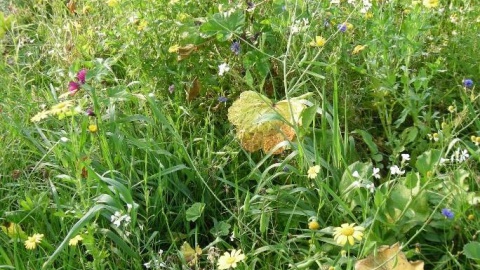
[(468, 83), (81, 75), (73, 87), (342, 27), (235, 47), (90, 112), (448, 213)]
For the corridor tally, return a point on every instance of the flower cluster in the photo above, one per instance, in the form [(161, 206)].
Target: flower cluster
[(74, 86), (118, 219)]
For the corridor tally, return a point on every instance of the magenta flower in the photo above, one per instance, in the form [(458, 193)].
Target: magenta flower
[(81, 75), (73, 87)]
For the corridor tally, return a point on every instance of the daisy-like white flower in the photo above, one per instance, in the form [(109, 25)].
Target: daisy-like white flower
[(74, 241), (32, 241), (348, 233), (230, 260), (313, 171), (40, 116), (223, 68)]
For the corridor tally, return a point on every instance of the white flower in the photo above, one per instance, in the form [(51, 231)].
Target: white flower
[(376, 173), (147, 265), (463, 155), (371, 187), (64, 139), (405, 157), (223, 68), (335, 2), (356, 174), (395, 170), (129, 207)]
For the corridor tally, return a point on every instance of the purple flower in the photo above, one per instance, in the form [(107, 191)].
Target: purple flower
[(342, 27), (448, 213), (171, 88), (81, 75), (235, 47), (250, 6), (73, 87), (90, 112), (468, 83), (222, 99)]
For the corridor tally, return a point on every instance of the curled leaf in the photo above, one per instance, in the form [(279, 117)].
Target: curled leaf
[(190, 254), (388, 258)]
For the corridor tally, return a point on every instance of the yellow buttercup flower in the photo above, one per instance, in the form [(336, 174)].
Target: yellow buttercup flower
[(313, 225), (430, 3), (348, 233), (313, 171), (32, 241), (93, 128), (74, 241), (318, 42), (230, 260)]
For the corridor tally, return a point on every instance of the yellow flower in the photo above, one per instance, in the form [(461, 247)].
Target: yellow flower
[(142, 25), (368, 15), (40, 116), (313, 225), (93, 128), (61, 107), (319, 41), (74, 241), (348, 232), (313, 171), (471, 217), (430, 3), (112, 3), (32, 241), (358, 49), (173, 49), (349, 26), (230, 260)]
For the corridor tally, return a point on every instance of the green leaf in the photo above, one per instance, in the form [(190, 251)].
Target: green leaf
[(223, 27), (221, 229), (195, 211), (472, 250), (427, 161)]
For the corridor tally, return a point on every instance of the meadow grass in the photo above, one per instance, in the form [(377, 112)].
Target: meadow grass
[(119, 151)]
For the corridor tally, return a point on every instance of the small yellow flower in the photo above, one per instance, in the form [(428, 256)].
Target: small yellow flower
[(86, 9), (93, 128), (349, 26), (430, 3), (230, 260), (348, 232), (471, 217), (112, 3), (319, 41), (40, 116), (368, 15), (358, 49), (313, 225), (313, 171), (452, 109), (174, 48), (142, 25), (32, 241), (74, 241)]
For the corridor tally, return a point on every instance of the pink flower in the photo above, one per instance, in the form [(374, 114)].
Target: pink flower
[(81, 75), (73, 87)]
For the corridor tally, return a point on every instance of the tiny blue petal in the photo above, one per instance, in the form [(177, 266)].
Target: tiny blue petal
[(448, 213), (468, 83), (342, 27), (222, 99)]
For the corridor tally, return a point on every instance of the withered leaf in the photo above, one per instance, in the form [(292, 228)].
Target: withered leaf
[(388, 258), (194, 91)]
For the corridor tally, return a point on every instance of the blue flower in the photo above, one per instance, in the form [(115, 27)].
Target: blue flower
[(448, 213), (468, 83), (342, 27), (222, 99), (235, 47)]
